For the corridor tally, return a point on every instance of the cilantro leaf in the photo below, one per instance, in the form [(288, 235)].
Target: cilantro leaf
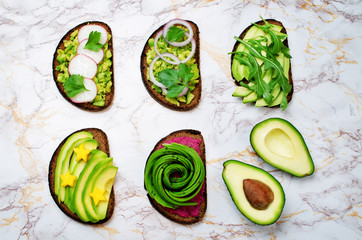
[(74, 85), (169, 77), (175, 34), (174, 91), (184, 72), (175, 80), (93, 41)]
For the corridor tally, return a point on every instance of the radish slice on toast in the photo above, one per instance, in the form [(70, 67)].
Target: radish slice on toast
[(96, 56), (82, 65), (87, 29), (88, 95)]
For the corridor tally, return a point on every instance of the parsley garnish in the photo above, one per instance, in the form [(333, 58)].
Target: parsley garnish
[(175, 80), (74, 85), (93, 41), (175, 34)]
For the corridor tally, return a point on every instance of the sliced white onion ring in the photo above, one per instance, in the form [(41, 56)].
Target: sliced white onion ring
[(181, 22), (152, 77), (193, 49), (176, 60), (157, 83)]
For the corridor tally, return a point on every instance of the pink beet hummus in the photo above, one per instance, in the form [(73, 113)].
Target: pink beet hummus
[(187, 211)]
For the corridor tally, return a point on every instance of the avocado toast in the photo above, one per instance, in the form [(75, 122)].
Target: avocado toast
[(97, 60), (260, 65), (185, 60), (191, 207), (81, 176)]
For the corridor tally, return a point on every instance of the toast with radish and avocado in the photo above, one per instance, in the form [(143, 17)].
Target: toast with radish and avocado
[(260, 65), (81, 176), (170, 65), (83, 66), (176, 166)]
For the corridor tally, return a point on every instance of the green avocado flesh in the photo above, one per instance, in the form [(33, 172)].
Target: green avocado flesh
[(235, 173), (265, 66), (281, 145), (161, 185), (98, 172)]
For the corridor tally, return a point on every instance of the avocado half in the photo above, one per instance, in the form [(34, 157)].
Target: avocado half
[(281, 145), (234, 175)]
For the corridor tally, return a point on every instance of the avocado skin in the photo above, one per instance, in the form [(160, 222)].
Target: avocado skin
[(269, 161), (242, 208)]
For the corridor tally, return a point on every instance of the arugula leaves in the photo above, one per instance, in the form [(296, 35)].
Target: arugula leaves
[(93, 41), (175, 79), (74, 85), (175, 34), (259, 50)]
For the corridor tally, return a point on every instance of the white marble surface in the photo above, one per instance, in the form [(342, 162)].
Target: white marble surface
[(325, 41)]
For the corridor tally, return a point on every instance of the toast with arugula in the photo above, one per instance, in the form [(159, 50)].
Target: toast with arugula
[(260, 65)]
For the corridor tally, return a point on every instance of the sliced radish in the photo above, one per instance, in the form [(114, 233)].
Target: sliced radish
[(96, 56), (88, 95), (87, 29), (82, 65)]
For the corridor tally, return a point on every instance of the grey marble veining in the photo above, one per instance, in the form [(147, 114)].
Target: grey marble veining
[(325, 42)]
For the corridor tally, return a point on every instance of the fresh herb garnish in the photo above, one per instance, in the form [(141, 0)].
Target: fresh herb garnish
[(93, 41), (175, 80), (259, 50), (175, 34), (74, 85)]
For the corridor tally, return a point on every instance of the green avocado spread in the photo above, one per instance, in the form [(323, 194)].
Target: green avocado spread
[(104, 73), (160, 65)]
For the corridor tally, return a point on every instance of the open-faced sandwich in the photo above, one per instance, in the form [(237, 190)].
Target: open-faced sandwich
[(175, 177), (83, 66), (81, 176), (260, 65), (170, 65)]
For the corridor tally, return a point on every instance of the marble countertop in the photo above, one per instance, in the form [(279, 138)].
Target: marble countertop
[(325, 40)]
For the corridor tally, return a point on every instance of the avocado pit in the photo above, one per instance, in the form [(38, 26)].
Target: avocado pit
[(258, 194)]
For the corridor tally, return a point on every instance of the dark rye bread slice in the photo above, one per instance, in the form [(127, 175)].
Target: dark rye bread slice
[(285, 42), (161, 209), (102, 139), (88, 105), (158, 96)]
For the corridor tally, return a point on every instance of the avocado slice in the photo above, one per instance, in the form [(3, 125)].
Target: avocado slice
[(86, 198), (104, 181), (65, 154), (254, 201), (281, 145), (80, 184), (89, 144)]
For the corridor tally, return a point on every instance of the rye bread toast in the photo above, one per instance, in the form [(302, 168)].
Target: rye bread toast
[(285, 42), (161, 209), (102, 139), (159, 97), (87, 105)]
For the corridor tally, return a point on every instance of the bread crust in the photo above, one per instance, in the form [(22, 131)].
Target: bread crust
[(161, 209), (102, 139), (158, 96), (285, 42), (88, 105)]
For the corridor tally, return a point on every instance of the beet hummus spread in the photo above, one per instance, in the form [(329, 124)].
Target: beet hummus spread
[(187, 211)]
